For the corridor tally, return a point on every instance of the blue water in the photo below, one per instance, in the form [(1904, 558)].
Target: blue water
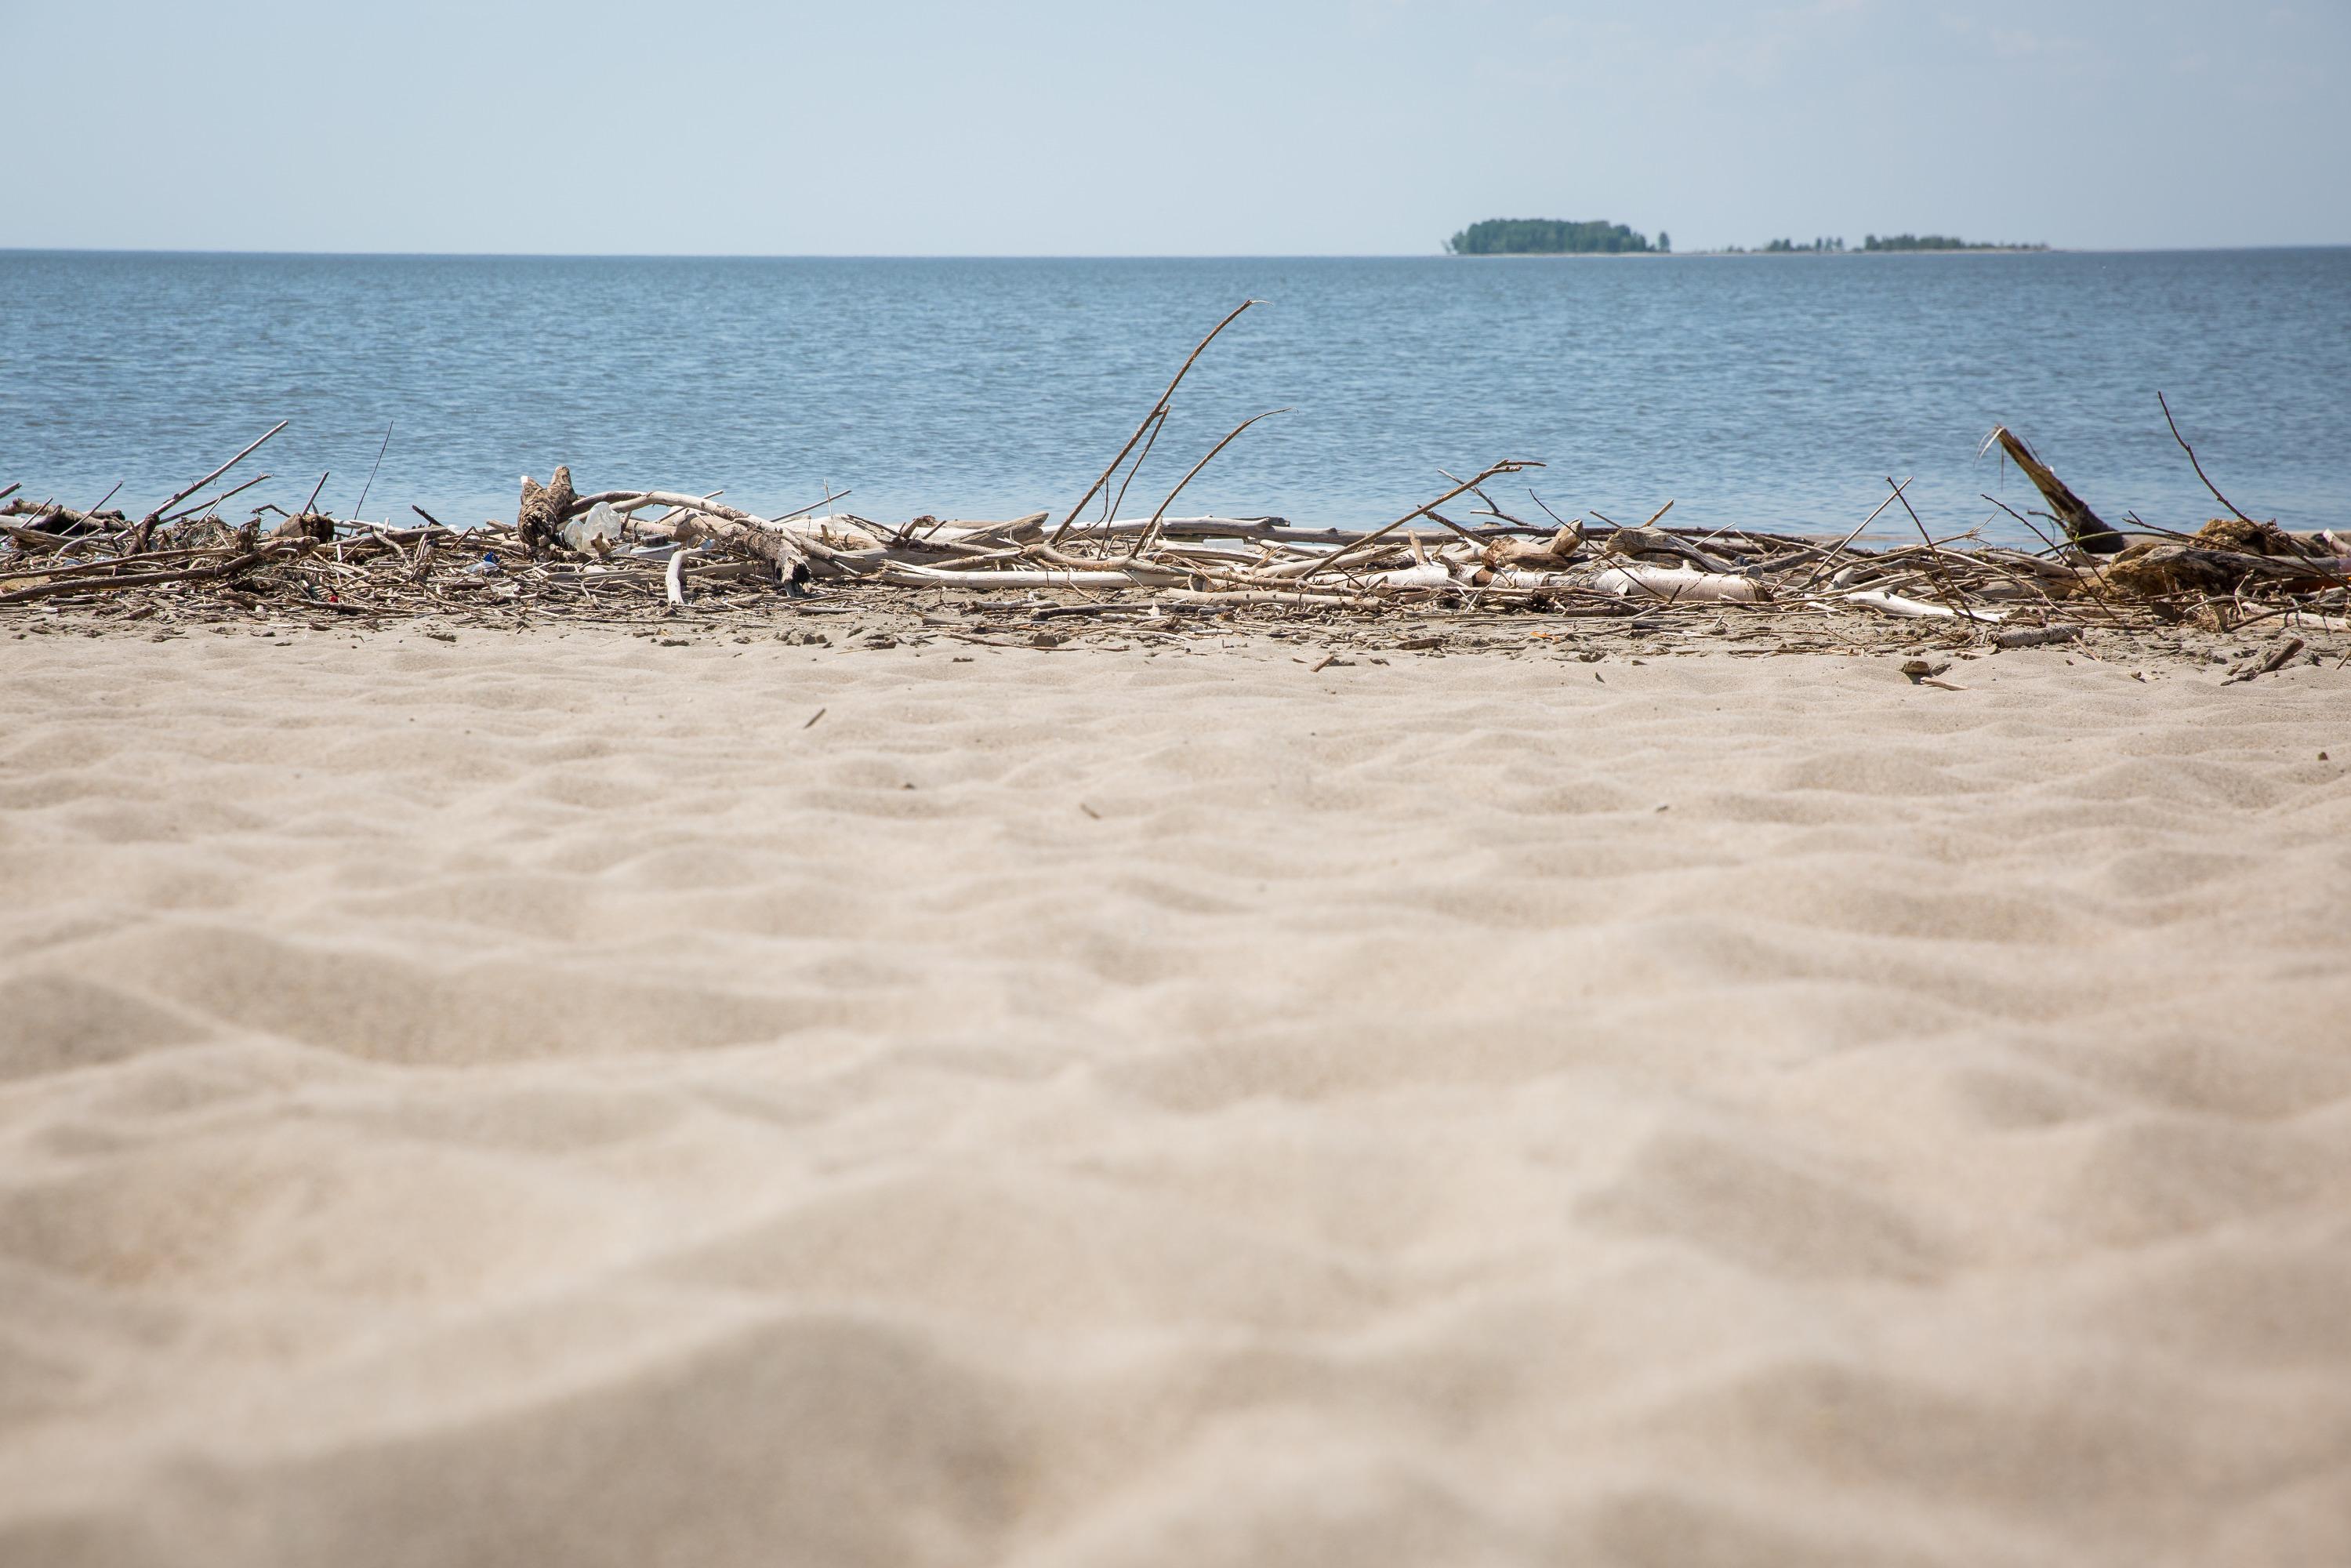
[(1771, 392)]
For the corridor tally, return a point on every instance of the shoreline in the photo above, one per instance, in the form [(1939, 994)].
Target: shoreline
[(863, 621)]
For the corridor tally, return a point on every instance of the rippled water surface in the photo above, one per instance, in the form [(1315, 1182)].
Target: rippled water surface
[(1763, 391)]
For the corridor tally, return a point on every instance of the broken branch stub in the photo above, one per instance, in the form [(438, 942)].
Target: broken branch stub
[(2083, 526)]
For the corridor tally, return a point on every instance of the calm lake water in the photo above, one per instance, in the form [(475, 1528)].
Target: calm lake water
[(1773, 391)]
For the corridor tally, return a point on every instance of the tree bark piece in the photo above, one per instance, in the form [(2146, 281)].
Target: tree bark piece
[(542, 509), (2037, 636), (1677, 584), (777, 549), (2082, 526), (2156, 570)]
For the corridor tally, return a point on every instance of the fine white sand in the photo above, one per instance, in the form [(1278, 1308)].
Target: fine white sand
[(534, 1100)]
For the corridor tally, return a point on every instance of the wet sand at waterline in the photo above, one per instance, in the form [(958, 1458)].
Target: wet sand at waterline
[(538, 1099)]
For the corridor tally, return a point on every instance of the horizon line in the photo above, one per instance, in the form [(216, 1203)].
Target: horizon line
[(1135, 255)]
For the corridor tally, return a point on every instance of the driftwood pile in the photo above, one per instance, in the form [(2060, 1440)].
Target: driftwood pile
[(642, 554)]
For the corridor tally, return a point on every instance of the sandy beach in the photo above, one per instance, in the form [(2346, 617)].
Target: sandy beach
[(553, 1097)]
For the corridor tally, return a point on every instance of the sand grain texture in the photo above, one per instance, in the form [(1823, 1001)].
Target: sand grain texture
[(533, 1099)]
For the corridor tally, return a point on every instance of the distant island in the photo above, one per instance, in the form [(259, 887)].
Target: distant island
[(1552, 237), (1880, 243), (1598, 236), (1938, 242)]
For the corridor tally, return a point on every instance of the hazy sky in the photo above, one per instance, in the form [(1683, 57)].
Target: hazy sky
[(1233, 127)]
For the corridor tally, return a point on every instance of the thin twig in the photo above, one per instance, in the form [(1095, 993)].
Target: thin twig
[(1839, 548), (1151, 528), (2198, 466), (1942, 586), (141, 579), (1508, 466), (1110, 513), (1158, 409), (150, 518), (371, 473), (216, 501)]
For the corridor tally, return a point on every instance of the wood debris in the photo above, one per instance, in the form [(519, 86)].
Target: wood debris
[(1425, 581)]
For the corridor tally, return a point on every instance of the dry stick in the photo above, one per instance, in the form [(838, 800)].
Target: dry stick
[(103, 567), (1157, 410), (829, 497), (2009, 574), (1111, 516), (1150, 530), (141, 579), (2098, 591), (1491, 510), (216, 501), (1554, 517), (2143, 525), (150, 520), (1839, 548), (371, 473), (2054, 548), (1436, 516), (1942, 585), (11, 487), (1508, 466), (2193, 464), (313, 501)]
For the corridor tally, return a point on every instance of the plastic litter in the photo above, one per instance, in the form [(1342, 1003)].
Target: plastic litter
[(597, 522)]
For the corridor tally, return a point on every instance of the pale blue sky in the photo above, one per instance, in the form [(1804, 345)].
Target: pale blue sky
[(1350, 127)]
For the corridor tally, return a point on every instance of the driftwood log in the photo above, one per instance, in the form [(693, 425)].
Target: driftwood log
[(2083, 526), (777, 549)]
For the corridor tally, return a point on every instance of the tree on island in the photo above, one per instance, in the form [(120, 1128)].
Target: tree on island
[(1549, 236), (1935, 242)]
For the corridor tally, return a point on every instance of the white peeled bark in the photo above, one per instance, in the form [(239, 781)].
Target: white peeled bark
[(1676, 584), (1427, 576), (930, 576), (1512, 577), (1917, 610)]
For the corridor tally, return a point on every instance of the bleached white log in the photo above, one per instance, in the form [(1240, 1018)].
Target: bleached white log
[(1430, 575), (1134, 576), (1675, 583), (1513, 577), (1917, 610)]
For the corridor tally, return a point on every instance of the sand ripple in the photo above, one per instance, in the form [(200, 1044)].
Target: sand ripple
[(534, 1100)]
